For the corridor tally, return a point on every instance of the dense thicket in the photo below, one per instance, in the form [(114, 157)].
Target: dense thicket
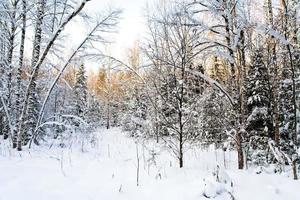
[(220, 74), (207, 72), (37, 98)]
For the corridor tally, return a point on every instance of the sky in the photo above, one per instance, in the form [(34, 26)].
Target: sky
[(131, 28)]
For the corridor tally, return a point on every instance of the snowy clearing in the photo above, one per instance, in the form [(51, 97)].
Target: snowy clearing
[(110, 172)]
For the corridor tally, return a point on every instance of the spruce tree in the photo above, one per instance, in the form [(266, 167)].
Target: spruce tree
[(167, 98), (286, 105), (215, 118), (136, 112), (80, 92), (93, 114), (259, 126)]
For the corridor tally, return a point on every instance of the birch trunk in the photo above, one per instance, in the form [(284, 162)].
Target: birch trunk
[(19, 70), (11, 43)]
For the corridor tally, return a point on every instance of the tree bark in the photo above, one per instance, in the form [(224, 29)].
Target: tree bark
[(273, 65), (240, 150), (11, 43), (19, 70)]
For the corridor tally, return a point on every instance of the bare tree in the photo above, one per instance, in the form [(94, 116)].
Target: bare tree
[(172, 51)]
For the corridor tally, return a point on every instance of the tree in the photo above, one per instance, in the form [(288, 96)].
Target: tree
[(172, 52), (259, 122), (108, 91), (225, 38), (33, 99), (215, 118), (10, 25), (80, 93), (136, 111)]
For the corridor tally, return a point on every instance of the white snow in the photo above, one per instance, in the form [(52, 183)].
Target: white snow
[(108, 171)]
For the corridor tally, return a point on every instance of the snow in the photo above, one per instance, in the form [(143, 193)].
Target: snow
[(109, 171), (264, 29)]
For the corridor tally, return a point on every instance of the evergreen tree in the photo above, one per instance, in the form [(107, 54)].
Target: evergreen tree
[(80, 92), (136, 113), (215, 118), (93, 114), (167, 97), (259, 126), (286, 105)]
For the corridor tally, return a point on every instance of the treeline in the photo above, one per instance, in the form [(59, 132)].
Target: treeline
[(210, 72), (221, 71)]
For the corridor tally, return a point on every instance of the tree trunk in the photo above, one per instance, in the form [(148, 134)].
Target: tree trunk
[(240, 150), (108, 115), (11, 42), (19, 71), (32, 100), (181, 148), (294, 165), (273, 65), (286, 20)]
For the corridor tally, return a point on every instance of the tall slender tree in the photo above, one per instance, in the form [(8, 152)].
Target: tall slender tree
[(80, 92)]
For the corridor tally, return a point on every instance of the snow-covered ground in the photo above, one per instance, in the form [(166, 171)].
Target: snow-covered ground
[(109, 171)]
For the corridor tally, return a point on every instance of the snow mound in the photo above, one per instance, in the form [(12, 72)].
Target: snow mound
[(218, 186)]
